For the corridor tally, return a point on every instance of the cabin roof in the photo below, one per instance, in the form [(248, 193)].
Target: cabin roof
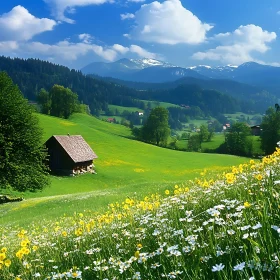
[(76, 147)]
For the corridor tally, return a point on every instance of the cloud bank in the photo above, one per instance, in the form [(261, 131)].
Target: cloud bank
[(239, 46), (60, 7), (20, 25), (168, 23)]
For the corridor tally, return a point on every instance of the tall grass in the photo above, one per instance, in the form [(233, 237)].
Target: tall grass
[(225, 227)]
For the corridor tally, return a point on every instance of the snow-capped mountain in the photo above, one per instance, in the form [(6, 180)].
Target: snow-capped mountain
[(156, 71), (219, 72), (140, 70), (149, 62)]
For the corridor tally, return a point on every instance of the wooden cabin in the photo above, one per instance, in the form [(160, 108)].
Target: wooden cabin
[(70, 155), (256, 130)]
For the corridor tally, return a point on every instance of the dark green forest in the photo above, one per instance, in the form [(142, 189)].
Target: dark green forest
[(31, 75)]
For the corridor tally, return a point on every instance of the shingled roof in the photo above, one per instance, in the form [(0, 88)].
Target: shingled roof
[(76, 147)]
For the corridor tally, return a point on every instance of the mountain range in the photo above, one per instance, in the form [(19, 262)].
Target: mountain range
[(264, 77)]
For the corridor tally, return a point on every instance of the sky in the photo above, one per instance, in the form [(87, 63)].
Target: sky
[(186, 33)]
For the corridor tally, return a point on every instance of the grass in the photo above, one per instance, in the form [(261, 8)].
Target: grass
[(124, 167), (220, 227), (217, 140)]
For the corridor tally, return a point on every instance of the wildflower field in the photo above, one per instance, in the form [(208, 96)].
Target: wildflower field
[(221, 227)]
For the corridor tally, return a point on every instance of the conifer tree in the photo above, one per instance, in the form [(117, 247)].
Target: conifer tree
[(22, 157)]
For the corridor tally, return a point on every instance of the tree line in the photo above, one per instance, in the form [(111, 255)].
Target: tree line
[(31, 75)]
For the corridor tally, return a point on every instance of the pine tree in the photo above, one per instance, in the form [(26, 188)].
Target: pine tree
[(21, 155)]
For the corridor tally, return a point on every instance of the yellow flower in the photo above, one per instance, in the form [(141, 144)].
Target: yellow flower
[(35, 248), (176, 187), (139, 246), (176, 191), (78, 232), (3, 250), (17, 278), (19, 254), (187, 189), (259, 177), (2, 256), (137, 254), (25, 243), (7, 263), (64, 233), (247, 204), (167, 192), (25, 251)]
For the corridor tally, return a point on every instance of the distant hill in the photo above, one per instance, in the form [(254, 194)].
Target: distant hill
[(141, 70), (262, 99), (32, 74), (262, 76), (265, 77)]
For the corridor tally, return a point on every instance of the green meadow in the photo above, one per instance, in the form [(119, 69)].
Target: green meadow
[(125, 168)]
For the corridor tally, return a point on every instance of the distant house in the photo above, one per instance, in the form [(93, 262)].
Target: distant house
[(70, 155), (111, 120), (256, 130), (140, 113)]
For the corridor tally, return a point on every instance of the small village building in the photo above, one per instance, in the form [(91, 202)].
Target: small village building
[(70, 155), (256, 130), (111, 120)]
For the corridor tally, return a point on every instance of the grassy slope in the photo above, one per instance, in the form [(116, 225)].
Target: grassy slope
[(125, 167)]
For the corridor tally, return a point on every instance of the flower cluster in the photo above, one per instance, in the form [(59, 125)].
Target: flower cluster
[(225, 227)]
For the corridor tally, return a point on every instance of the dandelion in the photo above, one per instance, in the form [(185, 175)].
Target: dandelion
[(7, 263), (167, 192), (3, 250), (247, 204), (218, 267)]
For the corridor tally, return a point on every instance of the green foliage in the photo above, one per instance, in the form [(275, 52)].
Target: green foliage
[(237, 141), (156, 129), (124, 167), (60, 102), (194, 143), (21, 154), (45, 101), (63, 101), (204, 133), (270, 130)]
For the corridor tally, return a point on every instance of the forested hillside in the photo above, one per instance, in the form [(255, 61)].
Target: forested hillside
[(33, 74)]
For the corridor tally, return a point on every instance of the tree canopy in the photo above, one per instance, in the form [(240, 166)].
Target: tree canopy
[(270, 130), (156, 129), (21, 154), (237, 141)]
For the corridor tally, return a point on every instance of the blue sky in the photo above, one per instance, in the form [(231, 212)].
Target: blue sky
[(185, 33)]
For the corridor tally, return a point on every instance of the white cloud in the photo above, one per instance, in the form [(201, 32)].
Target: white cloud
[(86, 38), (59, 7), (127, 16), (134, 49), (69, 51), (168, 23), (141, 52), (136, 1), (8, 46), (121, 49), (19, 24), (278, 13), (238, 47)]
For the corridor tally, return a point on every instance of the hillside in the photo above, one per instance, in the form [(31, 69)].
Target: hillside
[(125, 167), (32, 74), (223, 225), (256, 97)]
